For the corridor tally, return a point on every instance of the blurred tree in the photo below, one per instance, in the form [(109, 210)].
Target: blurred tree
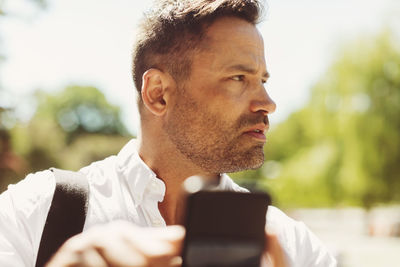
[(69, 130), (11, 166), (80, 110), (343, 147)]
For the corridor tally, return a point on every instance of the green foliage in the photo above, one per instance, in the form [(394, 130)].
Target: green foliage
[(11, 166), (80, 110), (69, 129), (89, 148), (343, 147), (91, 131)]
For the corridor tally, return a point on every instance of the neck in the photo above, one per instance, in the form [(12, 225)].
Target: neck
[(173, 168)]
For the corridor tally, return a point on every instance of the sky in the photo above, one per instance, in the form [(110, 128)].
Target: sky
[(89, 42)]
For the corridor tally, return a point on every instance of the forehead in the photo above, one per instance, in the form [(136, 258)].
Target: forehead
[(232, 40), (233, 27)]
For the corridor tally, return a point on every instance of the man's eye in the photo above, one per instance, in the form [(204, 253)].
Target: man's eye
[(238, 78)]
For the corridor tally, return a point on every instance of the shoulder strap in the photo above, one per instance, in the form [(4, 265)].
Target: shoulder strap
[(67, 213)]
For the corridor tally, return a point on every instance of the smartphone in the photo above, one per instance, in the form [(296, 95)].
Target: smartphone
[(224, 228)]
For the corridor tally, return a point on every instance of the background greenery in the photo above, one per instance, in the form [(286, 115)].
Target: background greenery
[(69, 129), (340, 149)]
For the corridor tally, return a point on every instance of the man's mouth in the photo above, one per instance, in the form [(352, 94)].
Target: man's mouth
[(258, 132)]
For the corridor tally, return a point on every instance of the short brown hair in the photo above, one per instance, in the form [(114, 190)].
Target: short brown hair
[(174, 28)]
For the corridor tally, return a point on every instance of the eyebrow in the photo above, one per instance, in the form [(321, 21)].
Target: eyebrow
[(247, 69)]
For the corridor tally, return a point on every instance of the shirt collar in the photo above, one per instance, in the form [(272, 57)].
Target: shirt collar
[(227, 184), (139, 177)]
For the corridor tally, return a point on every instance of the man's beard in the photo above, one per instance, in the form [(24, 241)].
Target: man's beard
[(211, 142)]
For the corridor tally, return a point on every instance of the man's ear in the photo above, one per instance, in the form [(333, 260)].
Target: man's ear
[(156, 90)]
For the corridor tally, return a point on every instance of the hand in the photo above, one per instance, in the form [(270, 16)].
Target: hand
[(121, 244), (273, 254)]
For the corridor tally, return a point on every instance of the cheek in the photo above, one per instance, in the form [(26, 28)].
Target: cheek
[(229, 107), (228, 94), (222, 118), (223, 104)]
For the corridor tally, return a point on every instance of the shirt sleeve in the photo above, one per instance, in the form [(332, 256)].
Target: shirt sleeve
[(312, 252), (23, 212), (302, 248)]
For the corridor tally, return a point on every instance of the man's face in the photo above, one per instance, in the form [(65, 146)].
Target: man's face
[(219, 117)]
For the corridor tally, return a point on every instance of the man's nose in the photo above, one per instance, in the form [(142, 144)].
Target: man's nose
[(263, 103)]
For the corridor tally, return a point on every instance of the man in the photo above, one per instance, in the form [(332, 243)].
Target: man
[(200, 70)]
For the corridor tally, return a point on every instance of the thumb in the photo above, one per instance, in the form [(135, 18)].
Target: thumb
[(171, 233)]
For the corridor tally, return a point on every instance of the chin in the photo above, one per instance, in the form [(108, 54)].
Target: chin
[(254, 165), (238, 168), (254, 159), (247, 161)]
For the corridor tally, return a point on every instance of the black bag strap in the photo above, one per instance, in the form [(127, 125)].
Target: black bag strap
[(67, 213)]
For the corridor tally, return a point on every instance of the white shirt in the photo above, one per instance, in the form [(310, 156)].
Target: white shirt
[(123, 187)]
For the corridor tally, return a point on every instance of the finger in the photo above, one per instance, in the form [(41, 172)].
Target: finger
[(130, 245), (159, 253), (118, 251), (156, 241), (92, 258), (176, 261), (64, 259), (68, 255), (171, 234), (174, 235), (168, 243), (142, 246)]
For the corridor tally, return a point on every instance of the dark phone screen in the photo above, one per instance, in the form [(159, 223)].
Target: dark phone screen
[(225, 229)]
